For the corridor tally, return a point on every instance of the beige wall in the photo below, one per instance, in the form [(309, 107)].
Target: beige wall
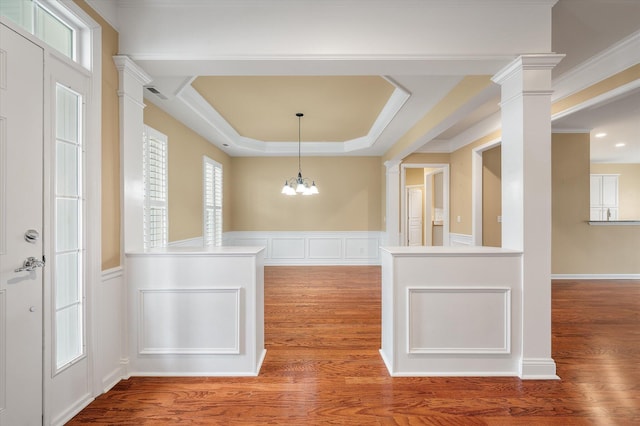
[(349, 199), (577, 247), (422, 158), (186, 149), (492, 197), (110, 143), (628, 187), (414, 176), (460, 195)]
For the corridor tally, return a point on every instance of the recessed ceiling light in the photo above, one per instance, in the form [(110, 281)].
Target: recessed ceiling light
[(600, 135), (620, 144)]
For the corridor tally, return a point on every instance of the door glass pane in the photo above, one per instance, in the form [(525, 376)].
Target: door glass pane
[(66, 169), (54, 32), (67, 225), (66, 114), (68, 339), (19, 11), (67, 291), (37, 20)]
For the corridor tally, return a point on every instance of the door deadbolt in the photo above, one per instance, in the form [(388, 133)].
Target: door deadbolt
[(31, 236)]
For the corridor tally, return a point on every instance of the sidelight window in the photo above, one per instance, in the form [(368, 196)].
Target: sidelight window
[(69, 217)]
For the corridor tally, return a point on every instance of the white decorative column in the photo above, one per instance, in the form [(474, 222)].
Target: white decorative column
[(132, 80), (392, 215), (131, 85), (526, 198)]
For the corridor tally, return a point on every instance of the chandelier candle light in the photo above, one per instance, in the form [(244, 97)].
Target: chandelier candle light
[(300, 184)]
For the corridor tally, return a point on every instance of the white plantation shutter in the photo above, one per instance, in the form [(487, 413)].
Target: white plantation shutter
[(212, 202), (156, 226)]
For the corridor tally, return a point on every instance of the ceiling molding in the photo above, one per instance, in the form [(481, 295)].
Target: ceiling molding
[(617, 58), (554, 130), (249, 146), (611, 94)]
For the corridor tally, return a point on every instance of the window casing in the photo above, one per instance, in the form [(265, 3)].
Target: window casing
[(212, 202), (155, 165)]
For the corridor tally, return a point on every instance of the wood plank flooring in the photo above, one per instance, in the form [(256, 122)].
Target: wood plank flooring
[(322, 333)]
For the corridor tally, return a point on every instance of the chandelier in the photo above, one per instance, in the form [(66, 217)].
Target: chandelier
[(299, 185)]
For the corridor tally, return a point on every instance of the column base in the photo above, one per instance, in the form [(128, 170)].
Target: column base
[(538, 369)]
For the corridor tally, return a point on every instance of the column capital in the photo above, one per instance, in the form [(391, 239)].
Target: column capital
[(128, 66), (527, 62), (393, 166)]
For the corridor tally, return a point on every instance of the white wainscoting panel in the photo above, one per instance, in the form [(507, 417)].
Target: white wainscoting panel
[(287, 248), (189, 321), (312, 247), (479, 320), (460, 239), (111, 327), (3, 349), (196, 311), (451, 311), (3, 171), (362, 248), (325, 248)]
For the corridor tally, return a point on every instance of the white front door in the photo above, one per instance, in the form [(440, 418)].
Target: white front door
[(414, 219), (21, 218)]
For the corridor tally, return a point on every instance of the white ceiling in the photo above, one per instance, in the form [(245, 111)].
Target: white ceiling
[(176, 54), (619, 119)]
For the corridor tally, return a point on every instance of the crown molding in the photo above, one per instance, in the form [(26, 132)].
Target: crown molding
[(554, 130), (617, 58), (544, 61), (598, 99), (127, 65)]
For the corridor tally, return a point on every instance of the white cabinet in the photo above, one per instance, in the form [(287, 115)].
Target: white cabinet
[(604, 197)]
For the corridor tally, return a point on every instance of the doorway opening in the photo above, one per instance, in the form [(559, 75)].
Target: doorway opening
[(486, 194), (428, 223)]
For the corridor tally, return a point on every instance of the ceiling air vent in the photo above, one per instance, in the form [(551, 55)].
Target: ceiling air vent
[(156, 92)]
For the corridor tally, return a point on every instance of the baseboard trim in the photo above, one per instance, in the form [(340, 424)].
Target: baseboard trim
[(112, 379), (74, 409), (595, 276), (538, 369), (192, 374)]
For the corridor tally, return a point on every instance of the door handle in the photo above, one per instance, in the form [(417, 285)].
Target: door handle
[(30, 264)]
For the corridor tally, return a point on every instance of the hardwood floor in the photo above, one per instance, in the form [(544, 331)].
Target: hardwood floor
[(322, 328)]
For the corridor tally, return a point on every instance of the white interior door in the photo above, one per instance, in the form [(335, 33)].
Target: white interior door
[(414, 216), (21, 210)]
